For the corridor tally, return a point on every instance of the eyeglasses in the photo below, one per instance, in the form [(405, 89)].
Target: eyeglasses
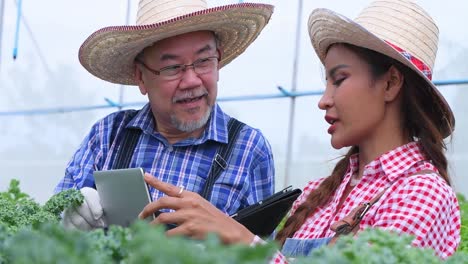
[(173, 72)]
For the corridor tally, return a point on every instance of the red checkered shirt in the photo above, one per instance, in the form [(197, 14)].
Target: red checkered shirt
[(421, 205)]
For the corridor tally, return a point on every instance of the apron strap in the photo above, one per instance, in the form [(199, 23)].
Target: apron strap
[(350, 223)]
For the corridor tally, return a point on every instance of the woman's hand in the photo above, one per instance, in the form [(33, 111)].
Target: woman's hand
[(194, 216)]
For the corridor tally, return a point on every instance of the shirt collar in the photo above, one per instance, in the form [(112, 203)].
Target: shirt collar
[(394, 163), (217, 126), (143, 120), (216, 129)]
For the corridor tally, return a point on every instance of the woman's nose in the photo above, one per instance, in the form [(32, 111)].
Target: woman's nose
[(326, 101)]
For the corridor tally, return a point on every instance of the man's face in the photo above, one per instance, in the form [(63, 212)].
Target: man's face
[(180, 102)]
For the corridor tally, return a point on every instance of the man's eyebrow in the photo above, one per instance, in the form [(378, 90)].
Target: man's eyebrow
[(169, 56), (205, 48), (333, 70)]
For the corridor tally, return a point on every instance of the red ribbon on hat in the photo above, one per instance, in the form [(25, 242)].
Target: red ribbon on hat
[(415, 61)]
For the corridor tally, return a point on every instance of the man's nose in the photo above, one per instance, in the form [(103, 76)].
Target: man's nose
[(190, 78)]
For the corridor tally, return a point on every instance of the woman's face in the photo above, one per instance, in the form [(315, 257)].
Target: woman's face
[(353, 100)]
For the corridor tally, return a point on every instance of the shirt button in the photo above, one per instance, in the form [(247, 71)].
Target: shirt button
[(170, 148)]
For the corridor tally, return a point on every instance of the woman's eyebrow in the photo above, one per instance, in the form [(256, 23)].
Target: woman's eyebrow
[(333, 70)]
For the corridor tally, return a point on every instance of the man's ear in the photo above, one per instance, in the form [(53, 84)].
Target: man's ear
[(395, 80), (220, 56), (139, 79)]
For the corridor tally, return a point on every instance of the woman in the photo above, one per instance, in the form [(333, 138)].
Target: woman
[(379, 101)]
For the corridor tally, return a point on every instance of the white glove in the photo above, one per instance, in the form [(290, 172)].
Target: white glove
[(88, 215)]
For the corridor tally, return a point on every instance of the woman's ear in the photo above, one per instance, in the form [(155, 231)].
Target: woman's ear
[(394, 83)]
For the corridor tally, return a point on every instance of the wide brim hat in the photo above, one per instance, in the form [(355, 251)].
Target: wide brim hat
[(109, 53), (399, 29)]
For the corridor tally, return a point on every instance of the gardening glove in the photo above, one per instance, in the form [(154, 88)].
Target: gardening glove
[(88, 215)]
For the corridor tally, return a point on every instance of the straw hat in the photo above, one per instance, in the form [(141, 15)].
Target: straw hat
[(399, 29), (109, 53)]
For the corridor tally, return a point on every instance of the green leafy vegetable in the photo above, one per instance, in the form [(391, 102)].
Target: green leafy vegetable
[(31, 233), (464, 223), (18, 209)]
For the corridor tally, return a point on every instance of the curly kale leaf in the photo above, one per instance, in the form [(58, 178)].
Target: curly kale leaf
[(13, 193), (113, 243), (50, 243), (463, 247), (373, 246), (62, 200), (18, 210), (16, 213), (151, 245)]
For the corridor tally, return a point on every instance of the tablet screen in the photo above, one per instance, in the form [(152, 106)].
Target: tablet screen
[(123, 194)]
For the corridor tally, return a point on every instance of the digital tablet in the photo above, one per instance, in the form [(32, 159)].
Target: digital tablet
[(123, 194), (263, 217)]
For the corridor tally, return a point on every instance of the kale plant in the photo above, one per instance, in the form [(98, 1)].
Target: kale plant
[(18, 209), (464, 224), (31, 233)]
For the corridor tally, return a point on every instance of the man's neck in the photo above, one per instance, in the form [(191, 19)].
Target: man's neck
[(173, 135)]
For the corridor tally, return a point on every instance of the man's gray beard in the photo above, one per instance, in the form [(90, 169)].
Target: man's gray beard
[(191, 125)]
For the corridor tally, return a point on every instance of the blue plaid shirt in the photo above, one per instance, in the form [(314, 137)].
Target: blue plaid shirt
[(248, 178)]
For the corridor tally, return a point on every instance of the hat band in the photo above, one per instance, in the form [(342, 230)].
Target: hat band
[(415, 61)]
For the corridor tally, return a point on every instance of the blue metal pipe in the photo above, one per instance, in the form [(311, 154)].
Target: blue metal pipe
[(450, 82), (283, 93), (18, 22)]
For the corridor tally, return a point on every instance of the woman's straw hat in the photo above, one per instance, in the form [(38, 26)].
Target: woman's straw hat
[(109, 53), (399, 29)]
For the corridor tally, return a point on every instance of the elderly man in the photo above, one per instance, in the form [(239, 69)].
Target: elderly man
[(181, 136)]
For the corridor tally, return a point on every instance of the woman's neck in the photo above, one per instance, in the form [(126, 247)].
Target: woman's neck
[(371, 150)]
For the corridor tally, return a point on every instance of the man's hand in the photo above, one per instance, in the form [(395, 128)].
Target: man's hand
[(87, 216), (194, 216)]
